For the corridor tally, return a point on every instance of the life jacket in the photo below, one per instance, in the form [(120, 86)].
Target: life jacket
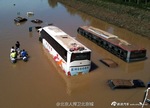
[(13, 54)]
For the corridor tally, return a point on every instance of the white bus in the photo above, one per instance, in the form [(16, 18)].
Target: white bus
[(72, 56)]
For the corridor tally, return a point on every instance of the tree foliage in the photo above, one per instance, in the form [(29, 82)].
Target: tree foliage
[(136, 3)]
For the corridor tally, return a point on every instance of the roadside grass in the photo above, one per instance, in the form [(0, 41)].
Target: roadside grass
[(128, 17)]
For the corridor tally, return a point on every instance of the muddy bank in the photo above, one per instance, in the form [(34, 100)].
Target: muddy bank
[(133, 19)]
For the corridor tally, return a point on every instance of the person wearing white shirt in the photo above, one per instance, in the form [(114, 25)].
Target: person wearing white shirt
[(12, 49)]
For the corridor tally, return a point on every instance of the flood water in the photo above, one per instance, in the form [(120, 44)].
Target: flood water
[(40, 83)]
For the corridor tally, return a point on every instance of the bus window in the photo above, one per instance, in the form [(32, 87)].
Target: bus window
[(80, 56), (65, 56), (138, 54), (123, 54)]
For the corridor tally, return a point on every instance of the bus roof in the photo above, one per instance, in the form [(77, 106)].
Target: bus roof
[(66, 41), (115, 40)]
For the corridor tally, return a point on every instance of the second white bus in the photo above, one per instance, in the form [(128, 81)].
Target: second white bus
[(72, 56)]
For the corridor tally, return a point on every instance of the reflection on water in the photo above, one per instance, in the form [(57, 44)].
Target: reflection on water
[(72, 83), (53, 3), (40, 83)]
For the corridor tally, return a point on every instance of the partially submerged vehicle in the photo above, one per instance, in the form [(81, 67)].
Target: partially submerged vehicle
[(121, 48), (37, 21), (20, 19), (72, 56), (125, 84), (37, 27), (108, 62)]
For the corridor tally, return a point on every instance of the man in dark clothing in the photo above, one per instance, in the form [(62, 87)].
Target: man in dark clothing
[(17, 44), (17, 47)]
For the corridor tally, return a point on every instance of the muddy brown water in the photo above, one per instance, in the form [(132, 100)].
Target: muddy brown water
[(40, 83)]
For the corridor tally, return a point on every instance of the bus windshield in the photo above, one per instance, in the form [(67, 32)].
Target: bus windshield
[(80, 56), (138, 54)]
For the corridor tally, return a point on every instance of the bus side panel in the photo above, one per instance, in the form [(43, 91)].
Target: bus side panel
[(55, 56)]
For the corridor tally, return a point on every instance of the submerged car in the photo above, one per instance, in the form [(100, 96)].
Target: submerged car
[(37, 21), (108, 62), (125, 84), (20, 19)]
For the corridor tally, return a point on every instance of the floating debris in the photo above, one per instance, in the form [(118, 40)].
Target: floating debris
[(37, 21), (20, 19), (18, 13), (38, 27), (109, 62), (50, 24), (125, 84), (30, 14)]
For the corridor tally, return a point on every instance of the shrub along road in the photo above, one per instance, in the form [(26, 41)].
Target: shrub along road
[(131, 18)]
